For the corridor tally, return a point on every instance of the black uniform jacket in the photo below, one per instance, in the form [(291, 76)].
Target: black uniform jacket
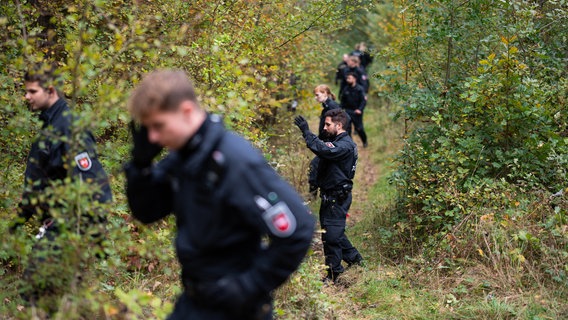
[(338, 160), (353, 98), (50, 158), (329, 104), (226, 198), (339, 74), (360, 75)]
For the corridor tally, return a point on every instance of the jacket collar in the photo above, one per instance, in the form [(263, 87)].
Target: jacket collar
[(326, 103), (339, 136), (57, 108), (199, 147)]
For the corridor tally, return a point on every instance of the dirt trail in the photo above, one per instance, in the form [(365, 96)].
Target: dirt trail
[(365, 178)]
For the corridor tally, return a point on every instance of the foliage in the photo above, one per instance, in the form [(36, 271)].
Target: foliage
[(302, 298), (504, 261), (482, 87), (248, 59)]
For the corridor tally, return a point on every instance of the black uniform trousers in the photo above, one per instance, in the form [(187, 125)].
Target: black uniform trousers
[(357, 120), (336, 245)]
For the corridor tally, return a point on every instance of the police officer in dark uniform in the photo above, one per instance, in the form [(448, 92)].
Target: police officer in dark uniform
[(52, 158), (241, 230), (364, 56), (339, 74), (338, 161), (323, 95), (354, 67), (353, 101)]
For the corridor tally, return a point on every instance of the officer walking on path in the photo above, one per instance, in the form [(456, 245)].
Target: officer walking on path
[(340, 73), (354, 67), (353, 101), (53, 158), (364, 56), (241, 230), (338, 161)]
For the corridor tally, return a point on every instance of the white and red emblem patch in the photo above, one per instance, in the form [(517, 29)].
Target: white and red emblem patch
[(280, 220), (329, 144), (83, 161)]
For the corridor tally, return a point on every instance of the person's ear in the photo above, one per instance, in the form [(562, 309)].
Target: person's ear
[(51, 90), (186, 107)]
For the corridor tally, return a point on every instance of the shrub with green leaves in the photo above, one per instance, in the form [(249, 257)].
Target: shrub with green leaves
[(483, 90), (242, 57)]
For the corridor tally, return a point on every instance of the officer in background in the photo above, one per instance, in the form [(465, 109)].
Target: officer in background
[(53, 158), (339, 74), (241, 230), (323, 95), (364, 56), (338, 161), (49, 157), (353, 101), (354, 67)]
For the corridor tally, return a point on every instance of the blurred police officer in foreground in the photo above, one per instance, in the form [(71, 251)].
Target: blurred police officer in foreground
[(241, 230), (55, 155), (336, 169)]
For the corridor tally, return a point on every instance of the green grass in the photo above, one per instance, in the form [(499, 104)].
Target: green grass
[(140, 282), (409, 288)]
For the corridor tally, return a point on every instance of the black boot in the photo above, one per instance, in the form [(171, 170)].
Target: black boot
[(331, 277)]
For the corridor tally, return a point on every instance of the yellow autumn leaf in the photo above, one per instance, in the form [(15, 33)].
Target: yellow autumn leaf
[(480, 252), (112, 311)]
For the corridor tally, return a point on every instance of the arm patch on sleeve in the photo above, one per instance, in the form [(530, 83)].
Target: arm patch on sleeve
[(280, 220), (83, 161)]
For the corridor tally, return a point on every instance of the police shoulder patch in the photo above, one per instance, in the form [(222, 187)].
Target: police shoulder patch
[(83, 161), (329, 144), (280, 220)]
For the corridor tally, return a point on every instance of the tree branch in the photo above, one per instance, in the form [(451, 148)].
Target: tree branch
[(312, 23), (24, 30)]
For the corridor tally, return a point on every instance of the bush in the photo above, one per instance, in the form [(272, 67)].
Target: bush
[(482, 90)]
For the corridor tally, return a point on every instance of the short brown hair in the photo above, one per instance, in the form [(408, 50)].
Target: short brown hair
[(338, 115), (45, 74), (161, 90)]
